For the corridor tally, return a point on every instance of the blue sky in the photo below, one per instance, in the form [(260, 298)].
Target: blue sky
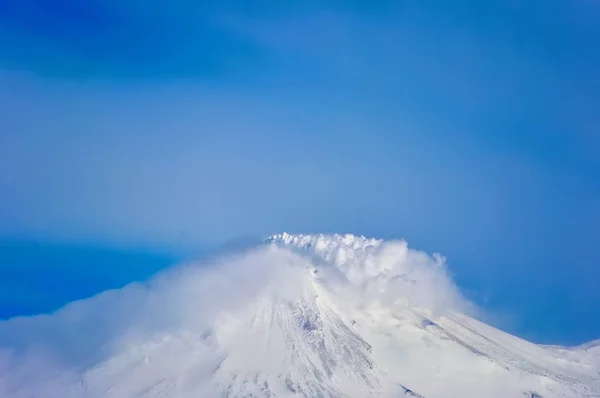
[(170, 127)]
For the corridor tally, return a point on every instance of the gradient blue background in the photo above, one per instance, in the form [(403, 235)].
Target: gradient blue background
[(134, 134)]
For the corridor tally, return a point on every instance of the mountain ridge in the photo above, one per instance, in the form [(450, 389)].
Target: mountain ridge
[(298, 316)]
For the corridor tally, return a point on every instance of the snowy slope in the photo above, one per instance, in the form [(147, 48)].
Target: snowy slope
[(300, 316)]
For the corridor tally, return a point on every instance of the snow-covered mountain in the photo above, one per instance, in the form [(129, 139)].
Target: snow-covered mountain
[(299, 316)]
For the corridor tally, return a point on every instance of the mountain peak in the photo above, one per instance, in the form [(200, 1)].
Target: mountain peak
[(302, 316)]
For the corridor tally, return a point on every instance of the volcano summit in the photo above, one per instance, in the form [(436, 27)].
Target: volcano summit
[(296, 316)]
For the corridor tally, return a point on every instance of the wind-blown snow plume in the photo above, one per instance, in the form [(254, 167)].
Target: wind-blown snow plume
[(305, 315), (384, 270)]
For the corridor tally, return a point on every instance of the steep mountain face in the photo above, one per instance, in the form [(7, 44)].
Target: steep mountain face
[(300, 316)]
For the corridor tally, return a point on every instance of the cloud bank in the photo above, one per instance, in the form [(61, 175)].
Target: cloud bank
[(77, 350)]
